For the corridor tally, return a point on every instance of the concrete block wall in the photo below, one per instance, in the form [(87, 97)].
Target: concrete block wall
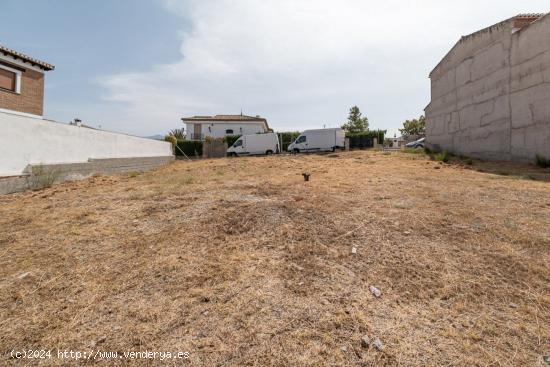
[(38, 174), (490, 95), (530, 91)]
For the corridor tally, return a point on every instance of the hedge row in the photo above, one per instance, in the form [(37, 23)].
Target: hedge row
[(191, 148), (379, 134), (287, 138), (230, 139)]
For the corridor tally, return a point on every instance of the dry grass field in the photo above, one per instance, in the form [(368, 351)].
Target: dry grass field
[(241, 262)]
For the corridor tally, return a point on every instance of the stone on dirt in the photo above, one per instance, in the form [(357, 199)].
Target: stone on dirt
[(375, 291), (24, 275), (378, 344), (365, 341)]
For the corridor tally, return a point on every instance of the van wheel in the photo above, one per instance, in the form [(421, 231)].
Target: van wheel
[(269, 152), (296, 150), (333, 149), (233, 154)]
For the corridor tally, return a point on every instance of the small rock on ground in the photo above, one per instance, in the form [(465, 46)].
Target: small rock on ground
[(375, 291), (102, 339), (378, 344), (24, 275), (365, 341)]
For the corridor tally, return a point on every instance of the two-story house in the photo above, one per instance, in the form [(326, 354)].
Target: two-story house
[(200, 127)]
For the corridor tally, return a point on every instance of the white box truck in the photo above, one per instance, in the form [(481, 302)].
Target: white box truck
[(319, 140), (255, 144)]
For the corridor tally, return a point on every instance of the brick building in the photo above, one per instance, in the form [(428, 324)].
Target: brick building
[(21, 83)]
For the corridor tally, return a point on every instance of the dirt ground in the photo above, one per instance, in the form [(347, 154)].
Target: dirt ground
[(240, 262)]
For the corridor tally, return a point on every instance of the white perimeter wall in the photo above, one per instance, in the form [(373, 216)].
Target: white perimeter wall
[(26, 140)]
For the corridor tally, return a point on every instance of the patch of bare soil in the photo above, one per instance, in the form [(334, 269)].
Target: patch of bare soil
[(241, 262)]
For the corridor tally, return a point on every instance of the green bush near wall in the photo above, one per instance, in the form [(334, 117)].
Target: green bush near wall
[(542, 162), (287, 138), (365, 139), (378, 134), (231, 139), (191, 148)]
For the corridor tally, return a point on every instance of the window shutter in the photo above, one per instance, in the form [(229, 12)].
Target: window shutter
[(7, 80)]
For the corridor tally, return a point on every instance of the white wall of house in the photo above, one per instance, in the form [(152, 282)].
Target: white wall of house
[(26, 140), (218, 129)]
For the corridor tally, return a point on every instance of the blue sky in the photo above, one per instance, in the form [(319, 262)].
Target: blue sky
[(138, 66), (87, 40)]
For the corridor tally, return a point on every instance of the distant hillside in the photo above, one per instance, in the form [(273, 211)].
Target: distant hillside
[(155, 137)]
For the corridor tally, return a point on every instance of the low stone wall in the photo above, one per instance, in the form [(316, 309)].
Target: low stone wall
[(37, 176)]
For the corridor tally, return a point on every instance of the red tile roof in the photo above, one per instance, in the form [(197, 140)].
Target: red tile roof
[(241, 118), (18, 55)]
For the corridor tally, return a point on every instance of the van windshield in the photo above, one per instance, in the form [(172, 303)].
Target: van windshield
[(301, 139), (238, 143)]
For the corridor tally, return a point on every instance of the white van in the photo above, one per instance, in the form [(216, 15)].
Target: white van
[(319, 140), (255, 144)]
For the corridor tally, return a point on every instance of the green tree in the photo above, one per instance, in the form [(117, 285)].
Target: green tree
[(414, 127), (356, 123)]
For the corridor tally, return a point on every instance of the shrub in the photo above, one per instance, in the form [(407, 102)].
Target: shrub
[(442, 157), (178, 133), (364, 139), (42, 178), (191, 148), (542, 162), (413, 151), (171, 139), (379, 134), (231, 139), (187, 180), (287, 138)]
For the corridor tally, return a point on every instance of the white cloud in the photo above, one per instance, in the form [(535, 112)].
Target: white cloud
[(301, 63)]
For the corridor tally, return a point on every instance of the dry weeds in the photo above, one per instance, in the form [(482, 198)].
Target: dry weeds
[(241, 262)]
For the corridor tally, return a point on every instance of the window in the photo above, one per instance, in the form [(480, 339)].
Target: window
[(301, 139), (229, 131), (238, 143), (10, 79)]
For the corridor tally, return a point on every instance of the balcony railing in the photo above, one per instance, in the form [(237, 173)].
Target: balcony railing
[(196, 136)]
